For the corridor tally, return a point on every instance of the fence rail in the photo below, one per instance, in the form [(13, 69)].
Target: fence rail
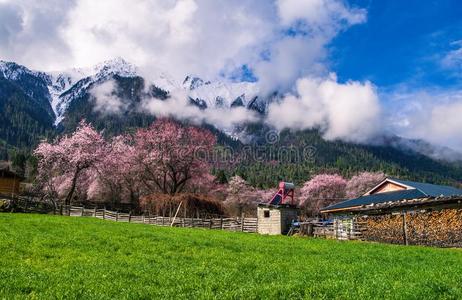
[(223, 223)]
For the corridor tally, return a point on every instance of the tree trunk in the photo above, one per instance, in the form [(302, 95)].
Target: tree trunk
[(72, 190)]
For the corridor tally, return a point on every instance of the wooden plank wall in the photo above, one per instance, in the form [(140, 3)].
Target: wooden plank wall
[(9, 186)]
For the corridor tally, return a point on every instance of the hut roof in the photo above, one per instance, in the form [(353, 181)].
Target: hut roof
[(432, 190), (410, 190)]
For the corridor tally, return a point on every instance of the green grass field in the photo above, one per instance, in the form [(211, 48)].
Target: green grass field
[(84, 258)]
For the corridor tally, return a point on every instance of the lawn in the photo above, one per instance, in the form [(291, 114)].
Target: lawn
[(86, 258)]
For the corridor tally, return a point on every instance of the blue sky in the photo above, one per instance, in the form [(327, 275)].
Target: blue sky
[(402, 42)]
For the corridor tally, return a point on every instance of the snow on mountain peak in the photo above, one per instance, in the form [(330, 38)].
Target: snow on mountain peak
[(82, 79), (116, 66), (221, 93), (13, 71)]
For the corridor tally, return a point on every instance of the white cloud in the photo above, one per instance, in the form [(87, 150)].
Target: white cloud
[(453, 58), (178, 106), (29, 32), (201, 37), (319, 14), (106, 100), (348, 111), (434, 116)]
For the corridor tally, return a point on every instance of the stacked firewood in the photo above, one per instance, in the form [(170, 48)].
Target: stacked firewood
[(441, 228), (383, 228)]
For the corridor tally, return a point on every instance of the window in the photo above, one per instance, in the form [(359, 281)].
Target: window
[(266, 213)]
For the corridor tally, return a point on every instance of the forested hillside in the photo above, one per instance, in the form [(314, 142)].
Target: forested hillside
[(24, 121), (311, 154)]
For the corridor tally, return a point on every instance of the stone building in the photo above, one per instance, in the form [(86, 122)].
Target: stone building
[(276, 216), (276, 219)]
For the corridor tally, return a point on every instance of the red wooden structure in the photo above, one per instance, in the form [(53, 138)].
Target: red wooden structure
[(286, 190)]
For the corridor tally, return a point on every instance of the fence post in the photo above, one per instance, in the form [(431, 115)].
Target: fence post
[(117, 216), (61, 209), (104, 213), (211, 223), (405, 238), (69, 210), (94, 212), (221, 222), (81, 211), (129, 216), (184, 215), (242, 222)]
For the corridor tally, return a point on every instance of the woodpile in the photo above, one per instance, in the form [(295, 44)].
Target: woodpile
[(442, 228)]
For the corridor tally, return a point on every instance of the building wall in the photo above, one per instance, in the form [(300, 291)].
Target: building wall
[(271, 224), (279, 220), (388, 187), (9, 186), (287, 216)]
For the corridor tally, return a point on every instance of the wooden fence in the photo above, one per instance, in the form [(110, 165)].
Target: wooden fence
[(317, 229), (224, 223), (347, 229)]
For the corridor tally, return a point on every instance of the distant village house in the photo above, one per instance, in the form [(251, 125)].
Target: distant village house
[(9, 182), (399, 211)]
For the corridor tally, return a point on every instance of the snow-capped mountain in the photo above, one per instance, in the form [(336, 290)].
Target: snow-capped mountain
[(34, 84), (220, 94), (65, 86)]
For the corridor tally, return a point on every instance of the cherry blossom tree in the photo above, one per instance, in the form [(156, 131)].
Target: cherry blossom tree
[(70, 161), (363, 182), (167, 157), (170, 154), (241, 198), (118, 174), (322, 190), (207, 184)]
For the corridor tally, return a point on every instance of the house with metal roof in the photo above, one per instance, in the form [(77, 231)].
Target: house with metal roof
[(393, 192), (401, 211)]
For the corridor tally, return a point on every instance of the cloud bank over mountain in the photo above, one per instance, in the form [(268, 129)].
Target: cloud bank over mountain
[(349, 111), (432, 115)]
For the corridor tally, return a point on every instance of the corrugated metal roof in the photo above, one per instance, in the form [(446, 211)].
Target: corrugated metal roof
[(432, 190), (417, 190), (378, 198)]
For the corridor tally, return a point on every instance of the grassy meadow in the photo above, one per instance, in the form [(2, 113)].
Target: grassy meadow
[(46, 257)]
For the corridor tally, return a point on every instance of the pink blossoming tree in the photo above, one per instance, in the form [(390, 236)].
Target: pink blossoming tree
[(363, 182), (322, 190), (170, 154), (118, 175), (241, 197), (71, 161), (163, 158)]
